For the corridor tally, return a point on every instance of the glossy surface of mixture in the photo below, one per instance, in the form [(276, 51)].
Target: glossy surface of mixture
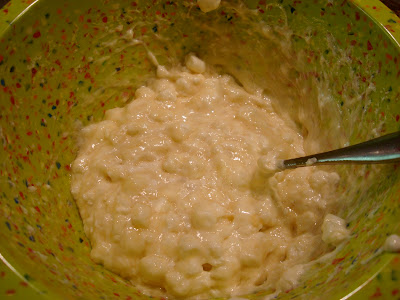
[(172, 197)]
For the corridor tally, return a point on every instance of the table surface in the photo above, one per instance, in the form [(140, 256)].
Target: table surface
[(14, 287)]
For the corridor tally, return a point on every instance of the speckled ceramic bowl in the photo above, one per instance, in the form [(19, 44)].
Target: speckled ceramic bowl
[(57, 68)]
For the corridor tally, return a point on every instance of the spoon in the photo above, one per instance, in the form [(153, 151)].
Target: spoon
[(385, 149)]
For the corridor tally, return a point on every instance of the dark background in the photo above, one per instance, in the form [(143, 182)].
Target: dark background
[(2, 2), (392, 4)]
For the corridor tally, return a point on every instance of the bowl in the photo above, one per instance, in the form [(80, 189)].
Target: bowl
[(63, 63)]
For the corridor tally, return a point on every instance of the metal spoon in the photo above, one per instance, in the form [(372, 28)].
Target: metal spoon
[(385, 149)]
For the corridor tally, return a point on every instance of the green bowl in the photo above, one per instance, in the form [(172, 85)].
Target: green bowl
[(58, 69)]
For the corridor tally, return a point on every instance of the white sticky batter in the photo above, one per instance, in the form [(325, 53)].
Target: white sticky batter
[(172, 198), (392, 243), (208, 5)]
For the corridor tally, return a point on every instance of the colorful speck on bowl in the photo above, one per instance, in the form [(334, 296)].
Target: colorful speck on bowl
[(63, 63)]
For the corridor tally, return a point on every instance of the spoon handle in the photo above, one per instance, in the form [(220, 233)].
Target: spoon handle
[(385, 149)]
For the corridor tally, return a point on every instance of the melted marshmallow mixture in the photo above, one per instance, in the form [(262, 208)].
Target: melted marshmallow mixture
[(176, 192)]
